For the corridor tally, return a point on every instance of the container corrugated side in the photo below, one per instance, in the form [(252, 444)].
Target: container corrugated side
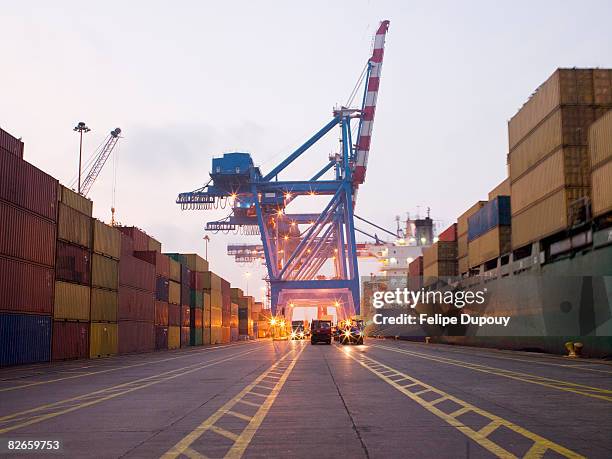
[(73, 226), (449, 234), (72, 301), (174, 315), (162, 288), (75, 201), (28, 187), (212, 281), (206, 335), (104, 305), (236, 293), (503, 189), (154, 244), (25, 287), (225, 335), (185, 316), (104, 272), (600, 140), (196, 318), (26, 236), (493, 213), (11, 144), (462, 221), (602, 189), (24, 338), (185, 336), (197, 299), (207, 306), (70, 340), (135, 336), (185, 281), (441, 250), (161, 262), (161, 313), (139, 237), (161, 337), (174, 270), (192, 260), (442, 268), (102, 340), (196, 337), (136, 273), (463, 265), (215, 334), (135, 304), (106, 240), (234, 334), (489, 245), (174, 337), (73, 263), (174, 292)]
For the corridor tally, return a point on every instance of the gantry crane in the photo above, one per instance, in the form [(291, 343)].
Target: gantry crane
[(296, 246), (99, 160)]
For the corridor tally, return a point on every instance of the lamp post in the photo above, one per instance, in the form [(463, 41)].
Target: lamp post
[(206, 240), (247, 275), (81, 128)]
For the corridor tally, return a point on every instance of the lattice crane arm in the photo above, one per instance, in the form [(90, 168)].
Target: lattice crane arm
[(107, 149)]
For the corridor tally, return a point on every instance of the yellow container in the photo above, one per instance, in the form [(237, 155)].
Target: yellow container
[(602, 189), (104, 272), (462, 221), (206, 335), (75, 201), (175, 270), (216, 298), (174, 337), (73, 226), (102, 339), (154, 244), (215, 334), (106, 240), (463, 265), (103, 305), (212, 281), (215, 316), (195, 262), (600, 140), (71, 301), (441, 250), (174, 292), (503, 189), (207, 306), (488, 246)]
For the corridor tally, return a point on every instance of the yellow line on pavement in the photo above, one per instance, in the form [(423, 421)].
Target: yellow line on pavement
[(541, 444), (581, 389), (51, 410), (242, 440)]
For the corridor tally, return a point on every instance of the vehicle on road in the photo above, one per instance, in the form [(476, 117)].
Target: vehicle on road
[(320, 331), (351, 335), (297, 330)]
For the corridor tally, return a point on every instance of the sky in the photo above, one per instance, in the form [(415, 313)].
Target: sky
[(190, 80)]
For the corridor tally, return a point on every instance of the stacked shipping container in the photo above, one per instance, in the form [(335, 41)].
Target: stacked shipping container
[(439, 260), (600, 154), (462, 237), (489, 231), (212, 286)]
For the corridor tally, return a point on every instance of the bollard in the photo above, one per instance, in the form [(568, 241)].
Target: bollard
[(578, 349), (427, 339), (570, 349)]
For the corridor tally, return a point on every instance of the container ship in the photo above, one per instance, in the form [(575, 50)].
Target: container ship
[(541, 244)]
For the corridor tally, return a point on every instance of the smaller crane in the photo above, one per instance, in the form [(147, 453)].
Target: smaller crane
[(99, 160)]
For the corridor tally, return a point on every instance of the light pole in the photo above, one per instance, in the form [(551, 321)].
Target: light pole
[(81, 127), (206, 240), (247, 275)]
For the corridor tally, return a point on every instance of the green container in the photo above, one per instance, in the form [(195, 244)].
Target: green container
[(197, 299), (196, 337)]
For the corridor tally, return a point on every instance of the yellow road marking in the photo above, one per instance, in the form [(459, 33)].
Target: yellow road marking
[(581, 389), (244, 417), (452, 418), (108, 370), (241, 441), (52, 410)]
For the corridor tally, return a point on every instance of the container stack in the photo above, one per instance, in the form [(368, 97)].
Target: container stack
[(449, 234), (104, 290), (255, 317), (439, 261), (226, 311), (415, 274), (600, 152), (503, 189), (196, 303), (137, 292), (176, 298), (28, 212), (233, 321), (462, 237), (548, 156), (489, 232), (206, 334), (245, 321), (74, 276), (212, 286)]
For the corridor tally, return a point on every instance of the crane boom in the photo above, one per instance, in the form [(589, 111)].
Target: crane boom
[(107, 149)]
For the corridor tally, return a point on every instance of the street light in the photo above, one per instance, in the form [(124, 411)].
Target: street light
[(206, 240), (81, 128), (247, 275)]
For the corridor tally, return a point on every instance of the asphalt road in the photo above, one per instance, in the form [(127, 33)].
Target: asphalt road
[(290, 399)]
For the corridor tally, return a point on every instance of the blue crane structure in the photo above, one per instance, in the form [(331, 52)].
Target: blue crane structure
[(297, 246)]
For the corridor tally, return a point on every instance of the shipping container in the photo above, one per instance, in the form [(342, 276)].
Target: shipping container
[(161, 337), (212, 281), (415, 274), (215, 334), (161, 313), (196, 317), (102, 340), (196, 281), (439, 251), (196, 337), (449, 234), (197, 299), (104, 305), (245, 322), (127, 246), (207, 307), (174, 270), (135, 304), (185, 316), (75, 201), (206, 335), (234, 316), (106, 240), (73, 226), (236, 293), (185, 336), (26, 236), (174, 292), (503, 189), (225, 335), (70, 340), (71, 301), (73, 263), (161, 262), (216, 316), (600, 140), (154, 244), (26, 186), (174, 337), (136, 273), (139, 237), (462, 221), (463, 265), (135, 336), (24, 338), (25, 287), (104, 272), (602, 189), (174, 315), (185, 282), (234, 334), (161, 289), (490, 245), (493, 213), (441, 268), (192, 260), (11, 144)]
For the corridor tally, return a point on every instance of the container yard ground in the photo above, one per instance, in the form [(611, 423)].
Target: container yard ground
[(289, 399)]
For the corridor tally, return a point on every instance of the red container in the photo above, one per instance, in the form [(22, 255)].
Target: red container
[(27, 186), (11, 144), (135, 336), (415, 268), (449, 234), (185, 336), (161, 338), (161, 262), (161, 313), (135, 304), (73, 263), (26, 236), (174, 315), (196, 318), (70, 340), (136, 273), (140, 238), (127, 246), (185, 316), (25, 287), (196, 281)]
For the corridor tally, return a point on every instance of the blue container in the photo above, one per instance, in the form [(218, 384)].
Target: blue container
[(24, 338), (494, 213)]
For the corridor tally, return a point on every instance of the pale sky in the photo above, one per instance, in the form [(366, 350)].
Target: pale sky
[(187, 80)]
